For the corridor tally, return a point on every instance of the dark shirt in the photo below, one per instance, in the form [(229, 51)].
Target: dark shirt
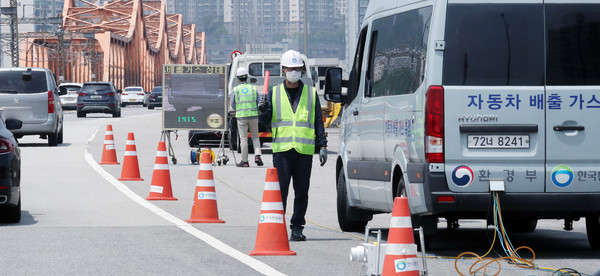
[(294, 98)]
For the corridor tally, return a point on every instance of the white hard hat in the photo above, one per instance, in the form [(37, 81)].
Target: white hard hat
[(291, 58), (241, 72)]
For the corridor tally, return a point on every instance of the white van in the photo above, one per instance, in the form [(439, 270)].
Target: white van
[(449, 101)]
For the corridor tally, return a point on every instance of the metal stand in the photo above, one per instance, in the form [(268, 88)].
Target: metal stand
[(166, 136), (220, 157)]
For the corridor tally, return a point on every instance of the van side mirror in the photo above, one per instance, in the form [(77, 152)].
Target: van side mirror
[(333, 84)]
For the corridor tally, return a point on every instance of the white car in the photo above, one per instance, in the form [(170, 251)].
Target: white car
[(133, 95), (68, 94)]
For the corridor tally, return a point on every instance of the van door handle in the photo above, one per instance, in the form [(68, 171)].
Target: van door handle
[(567, 128), (355, 113)]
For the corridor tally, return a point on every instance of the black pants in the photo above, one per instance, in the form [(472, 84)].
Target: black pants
[(293, 165)]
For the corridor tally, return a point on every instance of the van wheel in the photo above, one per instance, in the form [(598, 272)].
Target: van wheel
[(150, 107), (592, 226), (520, 225), (350, 219), (53, 139), (80, 114), (117, 114), (60, 136)]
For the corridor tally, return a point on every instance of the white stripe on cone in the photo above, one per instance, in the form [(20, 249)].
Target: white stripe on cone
[(162, 167), (271, 186), (400, 222), (156, 189), (272, 206), (205, 183), (401, 249)]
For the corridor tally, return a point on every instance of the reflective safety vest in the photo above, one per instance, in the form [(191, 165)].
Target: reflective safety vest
[(246, 97), (293, 130)]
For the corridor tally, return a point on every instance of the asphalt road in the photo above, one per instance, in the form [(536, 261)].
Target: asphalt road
[(78, 219)]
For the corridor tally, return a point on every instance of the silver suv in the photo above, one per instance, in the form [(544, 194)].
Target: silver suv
[(31, 96)]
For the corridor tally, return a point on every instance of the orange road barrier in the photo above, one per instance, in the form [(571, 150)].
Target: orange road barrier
[(271, 237), (131, 168), (109, 154), (205, 198), (160, 188), (401, 252)]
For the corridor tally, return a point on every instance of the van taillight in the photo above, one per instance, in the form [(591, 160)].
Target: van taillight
[(50, 102), (434, 125)]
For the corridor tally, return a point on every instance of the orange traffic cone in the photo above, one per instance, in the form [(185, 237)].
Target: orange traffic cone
[(271, 237), (160, 188), (131, 168), (205, 197), (401, 252), (109, 154)]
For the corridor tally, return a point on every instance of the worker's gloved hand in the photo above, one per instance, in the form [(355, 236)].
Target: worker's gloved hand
[(262, 104), (323, 156)]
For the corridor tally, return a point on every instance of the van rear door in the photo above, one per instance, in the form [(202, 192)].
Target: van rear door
[(573, 97), (493, 79), (24, 97)]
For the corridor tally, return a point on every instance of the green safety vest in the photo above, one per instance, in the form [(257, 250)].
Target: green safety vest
[(245, 100), (293, 130)]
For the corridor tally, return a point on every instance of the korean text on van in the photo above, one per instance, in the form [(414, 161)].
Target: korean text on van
[(452, 103)]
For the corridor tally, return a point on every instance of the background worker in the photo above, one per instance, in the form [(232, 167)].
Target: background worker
[(244, 100), (294, 112)]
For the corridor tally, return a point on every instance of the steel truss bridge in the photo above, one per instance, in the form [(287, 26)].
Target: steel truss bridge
[(125, 42)]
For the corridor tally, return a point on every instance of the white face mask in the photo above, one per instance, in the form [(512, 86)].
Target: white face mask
[(293, 76)]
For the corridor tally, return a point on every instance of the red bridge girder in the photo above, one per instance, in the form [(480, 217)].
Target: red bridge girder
[(125, 42)]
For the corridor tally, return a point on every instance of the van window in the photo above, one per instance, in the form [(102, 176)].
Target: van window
[(354, 76), (494, 44), (13, 82), (398, 62), (573, 35), (256, 69)]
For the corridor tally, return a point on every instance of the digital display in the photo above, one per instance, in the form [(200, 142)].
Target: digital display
[(194, 97)]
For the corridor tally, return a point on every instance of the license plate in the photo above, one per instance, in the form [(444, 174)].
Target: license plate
[(96, 97), (132, 100), (498, 141)]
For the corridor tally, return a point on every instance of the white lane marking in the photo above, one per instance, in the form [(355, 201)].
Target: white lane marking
[(210, 240)]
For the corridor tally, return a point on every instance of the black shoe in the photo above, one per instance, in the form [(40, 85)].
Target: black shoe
[(257, 160), (297, 234), (242, 164)]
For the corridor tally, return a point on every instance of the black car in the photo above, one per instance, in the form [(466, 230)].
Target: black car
[(10, 172), (99, 97), (155, 97)]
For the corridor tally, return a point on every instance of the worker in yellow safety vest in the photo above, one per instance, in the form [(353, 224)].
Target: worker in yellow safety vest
[(294, 112), (244, 100)]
